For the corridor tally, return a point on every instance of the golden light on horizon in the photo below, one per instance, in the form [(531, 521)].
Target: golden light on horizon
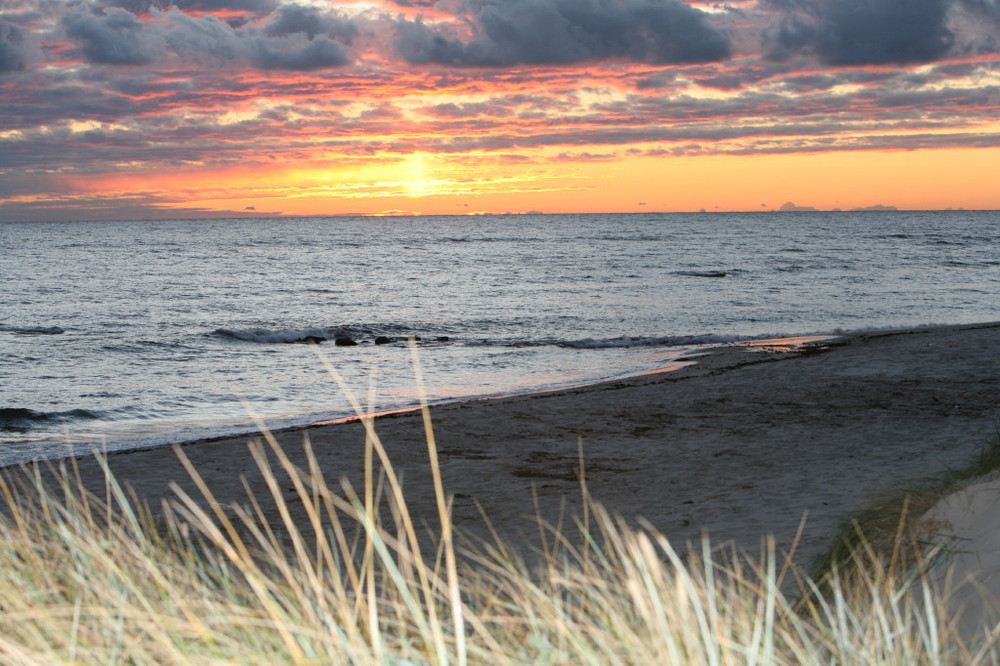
[(433, 184)]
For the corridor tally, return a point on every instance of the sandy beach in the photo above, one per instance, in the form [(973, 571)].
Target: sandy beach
[(744, 442)]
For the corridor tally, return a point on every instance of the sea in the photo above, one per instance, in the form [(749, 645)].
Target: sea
[(131, 334)]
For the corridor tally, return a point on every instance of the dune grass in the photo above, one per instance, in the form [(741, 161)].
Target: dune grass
[(87, 579), (99, 579)]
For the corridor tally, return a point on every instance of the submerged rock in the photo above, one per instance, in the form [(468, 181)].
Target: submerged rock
[(305, 340)]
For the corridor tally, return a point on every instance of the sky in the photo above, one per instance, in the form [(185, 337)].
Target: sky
[(136, 109)]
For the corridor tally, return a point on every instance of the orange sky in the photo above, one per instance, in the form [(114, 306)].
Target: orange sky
[(429, 184), (119, 109)]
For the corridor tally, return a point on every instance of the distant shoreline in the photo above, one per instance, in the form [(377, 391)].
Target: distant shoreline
[(266, 216)]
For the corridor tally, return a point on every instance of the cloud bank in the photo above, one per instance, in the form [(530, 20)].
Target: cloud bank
[(494, 34), (560, 32), (294, 37)]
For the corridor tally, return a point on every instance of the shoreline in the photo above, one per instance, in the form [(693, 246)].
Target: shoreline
[(741, 444), (70, 444), (42, 451)]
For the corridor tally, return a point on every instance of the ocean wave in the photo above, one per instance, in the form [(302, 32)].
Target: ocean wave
[(22, 419), (287, 335), (704, 274), (33, 330), (341, 335)]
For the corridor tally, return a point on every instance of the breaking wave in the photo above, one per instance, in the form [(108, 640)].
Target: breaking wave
[(21, 419), (339, 334)]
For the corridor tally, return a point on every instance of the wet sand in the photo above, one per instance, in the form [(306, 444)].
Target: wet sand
[(745, 442)]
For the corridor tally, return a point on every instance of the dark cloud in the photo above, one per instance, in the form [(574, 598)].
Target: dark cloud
[(861, 32), (730, 81), (296, 38), (979, 31), (745, 140), (16, 182), (955, 70), (113, 36), (56, 206), (658, 81), (560, 32), (420, 45), (820, 81), (202, 38), (310, 21), (987, 8), (16, 47), (317, 53), (259, 7), (506, 106)]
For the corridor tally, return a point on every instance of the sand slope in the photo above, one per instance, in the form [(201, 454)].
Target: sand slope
[(966, 526)]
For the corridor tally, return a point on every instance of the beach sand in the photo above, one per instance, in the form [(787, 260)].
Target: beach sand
[(747, 441), (966, 526)]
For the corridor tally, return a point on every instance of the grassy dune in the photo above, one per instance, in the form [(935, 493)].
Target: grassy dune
[(88, 579)]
